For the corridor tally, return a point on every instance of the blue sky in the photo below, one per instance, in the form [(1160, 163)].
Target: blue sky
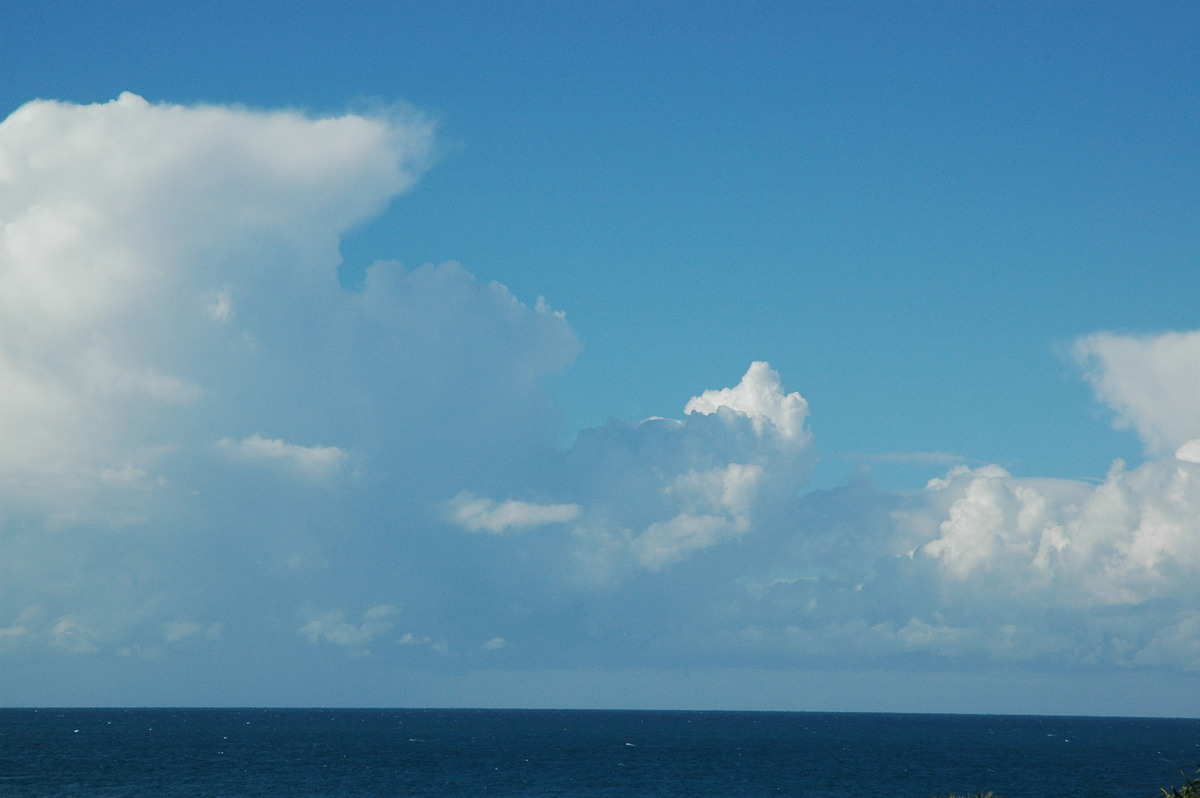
[(331, 347)]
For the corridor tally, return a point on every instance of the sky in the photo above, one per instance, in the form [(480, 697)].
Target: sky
[(802, 356)]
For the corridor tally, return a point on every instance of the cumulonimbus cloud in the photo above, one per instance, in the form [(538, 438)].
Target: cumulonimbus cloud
[(131, 234), (168, 280)]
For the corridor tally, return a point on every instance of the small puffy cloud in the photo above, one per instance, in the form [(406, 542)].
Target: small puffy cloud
[(1151, 382), (1189, 452), (331, 627), (72, 635), (13, 636), (759, 397), (715, 507), (667, 542), (218, 304), (494, 644), (438, 646), (477, 514), (313, 462), (731, 489), (178, 631)]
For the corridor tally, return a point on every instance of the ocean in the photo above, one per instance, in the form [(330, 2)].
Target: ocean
[(436, 752)]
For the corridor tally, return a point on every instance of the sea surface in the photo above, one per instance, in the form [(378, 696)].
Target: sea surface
[(435, 752)]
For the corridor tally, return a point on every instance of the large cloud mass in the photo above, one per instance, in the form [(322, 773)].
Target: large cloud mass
[(184, 377), (148, 253), (211, 449)]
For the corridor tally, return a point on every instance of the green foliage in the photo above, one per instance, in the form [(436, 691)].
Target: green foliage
[(1190, 788)]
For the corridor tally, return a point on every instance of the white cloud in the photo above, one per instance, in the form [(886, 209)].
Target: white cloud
[(1189, 452), (178, 631), (168, 279), (331, 627), (664, 543), (1131, 539), (484, 515), (760, 397), (127, 230), (73, 636), (314, 462), (731, 489), (439, 646), (715, 507), (218, 304), (1151, 382), (657, 493), (651, 495)]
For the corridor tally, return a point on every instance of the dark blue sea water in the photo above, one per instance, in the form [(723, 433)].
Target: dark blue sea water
[(405, 752)]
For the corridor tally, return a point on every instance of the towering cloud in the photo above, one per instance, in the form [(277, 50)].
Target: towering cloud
[(664, 490), (152, 255), (192, 401)]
